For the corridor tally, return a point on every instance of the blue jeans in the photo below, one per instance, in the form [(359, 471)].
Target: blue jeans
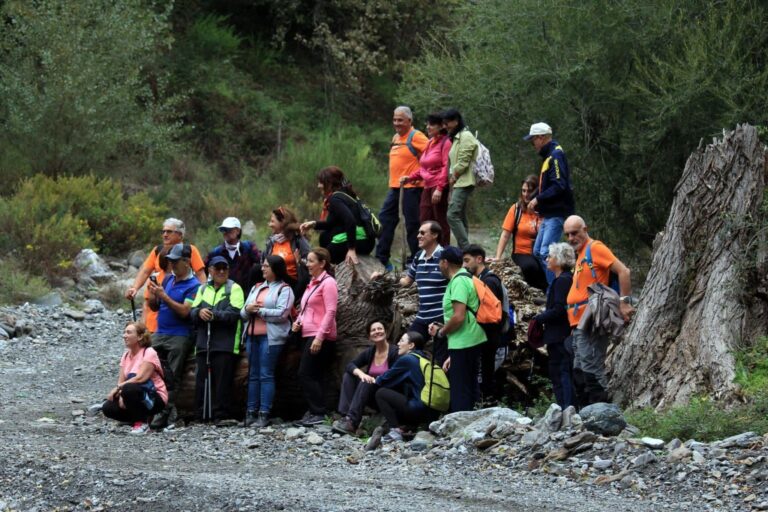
[(389, 216), (262, 359), (550, 232)]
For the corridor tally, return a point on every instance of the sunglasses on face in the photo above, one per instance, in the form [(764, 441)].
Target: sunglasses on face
[(168, 231), (220, 268)]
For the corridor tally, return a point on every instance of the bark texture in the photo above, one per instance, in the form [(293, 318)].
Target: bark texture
[(704, 296)]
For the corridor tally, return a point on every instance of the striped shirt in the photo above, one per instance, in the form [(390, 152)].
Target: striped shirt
[(431, 284)]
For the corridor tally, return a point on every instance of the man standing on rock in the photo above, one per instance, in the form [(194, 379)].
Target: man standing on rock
[(554, 199), (243, 256), (465, 336), (173, 233), (173, 338), (594, 263), (407, 146)]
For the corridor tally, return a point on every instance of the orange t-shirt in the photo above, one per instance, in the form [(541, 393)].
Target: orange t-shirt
[(526, 230), (602, 259), (284, 250), (153, 262), (401, 161)]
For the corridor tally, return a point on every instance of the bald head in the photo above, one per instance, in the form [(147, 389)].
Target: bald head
[(575, 230)]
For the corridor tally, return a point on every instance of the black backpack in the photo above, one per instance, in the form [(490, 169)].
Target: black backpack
[(170, 385), (367, 218)]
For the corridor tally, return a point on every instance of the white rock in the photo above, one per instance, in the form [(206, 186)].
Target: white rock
[(314, 438), (653, 443)]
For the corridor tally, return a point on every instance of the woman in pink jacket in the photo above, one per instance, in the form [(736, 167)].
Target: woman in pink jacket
[(317, 323), (433, 169)]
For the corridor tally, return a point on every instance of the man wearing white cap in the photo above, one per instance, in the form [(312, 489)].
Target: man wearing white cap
[(554, 199), (243, 256)]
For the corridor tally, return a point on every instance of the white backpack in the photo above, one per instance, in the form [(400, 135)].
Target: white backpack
[(483, 169)]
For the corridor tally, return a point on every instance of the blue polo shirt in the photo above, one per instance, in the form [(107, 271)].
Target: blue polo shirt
[(431, 284), (168, 322)]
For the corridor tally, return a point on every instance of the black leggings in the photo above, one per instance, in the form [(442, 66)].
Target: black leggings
[(339, 251), (394, 406), (531, 269), (312, 374), (135, 410)]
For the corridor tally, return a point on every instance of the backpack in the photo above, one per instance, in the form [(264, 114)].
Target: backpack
[(368, 219), (489, 311), (518, 216), (167, 374), (613, 278), (484, 173), (436, 393)]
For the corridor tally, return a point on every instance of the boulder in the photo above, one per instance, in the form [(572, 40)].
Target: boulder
[(472, 425), (603, 418), (551, 420), (744, 440), (49, 299), (136, 259), (91, 306), (422, 441)]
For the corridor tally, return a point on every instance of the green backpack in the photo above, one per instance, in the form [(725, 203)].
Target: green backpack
[(436, 393)]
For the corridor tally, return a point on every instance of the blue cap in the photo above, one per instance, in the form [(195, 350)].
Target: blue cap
[(452, 254), (217, 260)]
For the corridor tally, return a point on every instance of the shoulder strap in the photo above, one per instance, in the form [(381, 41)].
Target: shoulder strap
[(518, 216), (467, 274), (588, 259), (409, 143)]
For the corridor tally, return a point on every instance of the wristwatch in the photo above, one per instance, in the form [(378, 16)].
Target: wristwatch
[(627, 299)]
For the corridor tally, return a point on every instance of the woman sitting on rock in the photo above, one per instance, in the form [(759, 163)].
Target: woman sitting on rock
[(358, 387), (140, 392), (399, 396), (267, 311)]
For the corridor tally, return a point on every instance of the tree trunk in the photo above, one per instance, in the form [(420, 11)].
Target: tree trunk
[(704, 296)]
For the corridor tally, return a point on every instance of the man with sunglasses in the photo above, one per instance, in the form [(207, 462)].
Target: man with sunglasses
[(173, 233), (243, 257)]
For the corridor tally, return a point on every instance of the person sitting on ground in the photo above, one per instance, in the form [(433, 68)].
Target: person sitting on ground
[(521, 225), (286, 241), (589, 349), (343, 234), (267, 313), (554, 320), (243, 256), (474, 262), (216, 315), (358, 386), (173, 233), (465, 336), (173, 338), (399, 393), (140, 390), (317, 324)]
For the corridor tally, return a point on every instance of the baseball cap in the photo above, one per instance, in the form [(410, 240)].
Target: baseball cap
[(179, 251), (218, 260), (452, 254), (229, 223), (538, 129)]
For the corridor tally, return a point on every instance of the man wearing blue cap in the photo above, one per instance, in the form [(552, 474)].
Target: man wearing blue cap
[(554, 198)]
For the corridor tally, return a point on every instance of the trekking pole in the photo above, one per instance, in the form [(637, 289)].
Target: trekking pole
[(432, 372), (207, 407), (133, 308), (403, 231)]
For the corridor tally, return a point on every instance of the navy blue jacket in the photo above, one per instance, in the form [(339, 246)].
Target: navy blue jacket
[(405, 376), (555, 317), (555, 195)]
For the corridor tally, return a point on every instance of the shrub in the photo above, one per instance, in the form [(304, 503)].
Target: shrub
[(752, 368), (18, 285)]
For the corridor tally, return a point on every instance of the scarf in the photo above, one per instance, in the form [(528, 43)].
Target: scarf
[(278, 238), (232, 249)]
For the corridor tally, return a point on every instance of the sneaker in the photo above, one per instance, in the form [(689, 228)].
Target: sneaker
[(344, 426), (375, 439), (250, 418), (263, 419), (312, 420), (140, 428), (300, 422), (389, 267), (392, 436)]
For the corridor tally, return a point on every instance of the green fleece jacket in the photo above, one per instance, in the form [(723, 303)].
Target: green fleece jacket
[(461, 159)]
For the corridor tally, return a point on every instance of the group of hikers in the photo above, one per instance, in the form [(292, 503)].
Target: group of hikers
[(191, 304)]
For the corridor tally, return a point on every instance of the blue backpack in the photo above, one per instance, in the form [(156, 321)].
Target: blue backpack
[(613, 279)]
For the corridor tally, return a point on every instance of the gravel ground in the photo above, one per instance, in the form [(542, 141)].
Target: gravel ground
[(56, 458)]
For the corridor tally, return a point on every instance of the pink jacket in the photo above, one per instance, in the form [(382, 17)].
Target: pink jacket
[(433, 164), (318, 308)]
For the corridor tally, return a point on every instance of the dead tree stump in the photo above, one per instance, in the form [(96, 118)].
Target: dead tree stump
[(705, 294)]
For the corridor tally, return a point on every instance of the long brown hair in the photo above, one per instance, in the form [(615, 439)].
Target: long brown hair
[(288, 219), (324, 256), (533, 184), (145, 337), (333, 179)]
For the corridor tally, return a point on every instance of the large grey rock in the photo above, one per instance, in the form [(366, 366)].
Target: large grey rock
[(136, 259), (422, 441), (568, 414), (603, 418), (74, 314), (93, 306), (535, 438), (90, 266), (49, 299), (679, 454), (472, 425), (551, 420), (644, 459), (741, 440)]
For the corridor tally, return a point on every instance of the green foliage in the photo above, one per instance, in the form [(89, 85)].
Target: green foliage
[(629, 87), (702, 419), (18, 285), (752, 368), (48, 221), (78, 84)]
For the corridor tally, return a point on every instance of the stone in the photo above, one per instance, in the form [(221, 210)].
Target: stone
[(77, 413), (552, 419), (673, 444), (697, 457), (558, 454), (744, 440), (93, 306), (679, 454), (568, 414), (74, 314), (136, 259), (92, 266), (4, 334), (652, 443), (471, 425), (607, 479), (534, 438), (315, 439), (603, 418), (581, 438), (294, 433), (602, 464), (644, 459), (49, 299), (483, 444), (422, 441)]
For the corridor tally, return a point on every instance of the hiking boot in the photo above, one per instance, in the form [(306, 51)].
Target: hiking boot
[(344, 426), (393, 435), (389, 267), (173, 415), (139, 428), (312, 420), (375, 439), (250, 418), (160, 421), (263, 419)]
